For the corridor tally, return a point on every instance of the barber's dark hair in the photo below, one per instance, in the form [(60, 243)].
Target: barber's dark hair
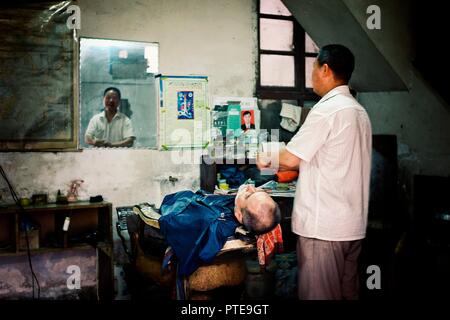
[(251, 222), (113, 89), (340, 60), (247, 112)]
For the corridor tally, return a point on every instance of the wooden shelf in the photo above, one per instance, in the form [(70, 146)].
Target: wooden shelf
[(13, 208)]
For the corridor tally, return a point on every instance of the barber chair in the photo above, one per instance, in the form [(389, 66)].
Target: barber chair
[(228, 270)]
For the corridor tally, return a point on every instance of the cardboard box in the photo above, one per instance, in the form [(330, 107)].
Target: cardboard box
[(33, 238)]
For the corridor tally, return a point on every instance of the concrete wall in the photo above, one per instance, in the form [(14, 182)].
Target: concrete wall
[(419, 117), (213, 38)]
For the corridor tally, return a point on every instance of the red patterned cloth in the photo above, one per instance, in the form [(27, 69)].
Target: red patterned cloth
[(268, 244)]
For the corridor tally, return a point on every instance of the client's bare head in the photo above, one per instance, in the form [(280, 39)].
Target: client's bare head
[(256, 210)]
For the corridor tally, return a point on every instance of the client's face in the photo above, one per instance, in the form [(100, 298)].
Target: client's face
[(250, 199)]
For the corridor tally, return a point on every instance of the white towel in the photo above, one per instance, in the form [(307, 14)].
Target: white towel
[(290, 116)]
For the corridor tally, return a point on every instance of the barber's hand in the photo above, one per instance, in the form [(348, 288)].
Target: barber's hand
[(263, 160), (99, 142)]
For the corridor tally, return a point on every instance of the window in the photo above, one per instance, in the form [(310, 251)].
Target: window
[(286, 55)]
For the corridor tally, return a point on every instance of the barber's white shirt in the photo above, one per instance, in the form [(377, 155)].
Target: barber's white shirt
[(118, 129), (335, 145)]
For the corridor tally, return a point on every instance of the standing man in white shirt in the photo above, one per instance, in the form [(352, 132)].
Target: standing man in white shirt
[(332, 152), (110, 128)]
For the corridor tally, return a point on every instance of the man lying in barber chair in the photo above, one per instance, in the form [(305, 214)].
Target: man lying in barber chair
[(197, 225)]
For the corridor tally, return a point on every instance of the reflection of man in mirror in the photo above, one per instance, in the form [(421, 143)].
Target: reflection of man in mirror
[(247, 125), (110, 128)]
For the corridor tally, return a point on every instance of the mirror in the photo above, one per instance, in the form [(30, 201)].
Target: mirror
[(130, 67)]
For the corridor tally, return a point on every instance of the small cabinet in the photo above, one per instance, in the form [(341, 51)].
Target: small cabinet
[(85, 242)]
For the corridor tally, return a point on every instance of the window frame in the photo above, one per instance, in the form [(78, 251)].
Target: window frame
[(299, 92)]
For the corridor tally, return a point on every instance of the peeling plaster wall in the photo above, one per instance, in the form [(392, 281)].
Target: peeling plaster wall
[(419, 117), (213, 38)]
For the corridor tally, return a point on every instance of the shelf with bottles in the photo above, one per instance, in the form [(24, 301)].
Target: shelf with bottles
[(53, 226)]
